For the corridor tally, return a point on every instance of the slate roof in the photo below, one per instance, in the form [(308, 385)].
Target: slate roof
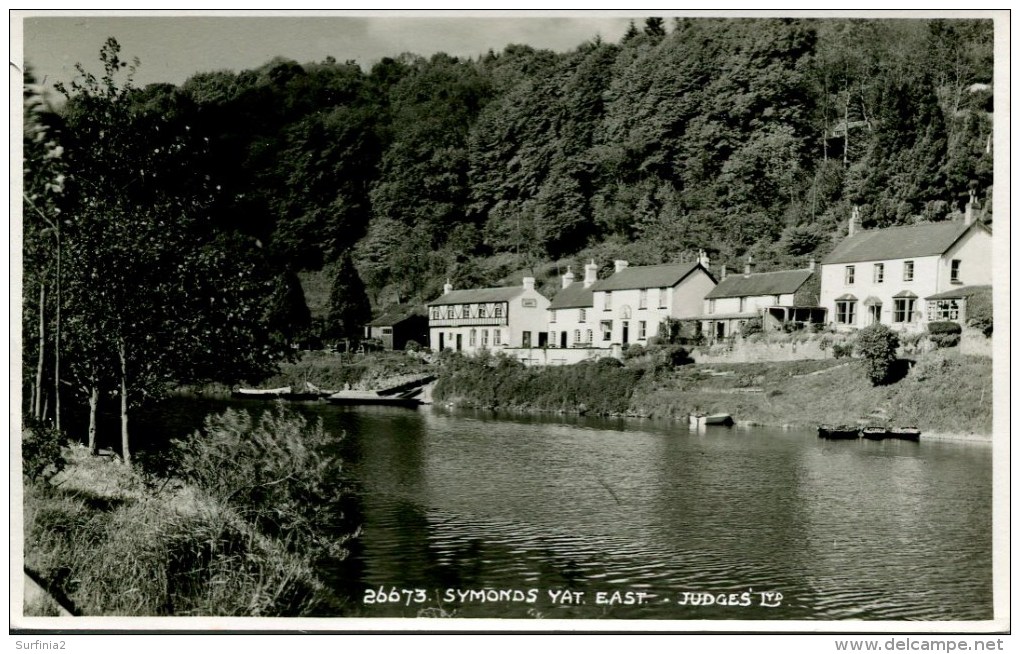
[(960, 292), (925, 240), (469, 295), (396, 313), (573, 296), (778, 282), (661, 276)]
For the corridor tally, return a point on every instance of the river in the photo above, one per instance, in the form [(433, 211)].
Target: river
[(579, 518)]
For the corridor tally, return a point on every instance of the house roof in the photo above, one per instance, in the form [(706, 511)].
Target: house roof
[(725, 316), (660, 276), (575, 295), (766, 283), (924, 240), (396, 313), (469, 295), (961, 292)]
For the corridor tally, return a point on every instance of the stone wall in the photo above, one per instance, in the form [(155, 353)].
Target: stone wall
[(744, 351), (556, 356)]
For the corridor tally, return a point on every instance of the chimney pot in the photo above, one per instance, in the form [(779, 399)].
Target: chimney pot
[(620, 264), (722, 274), (568, 278), (591, 274), (447, 287)]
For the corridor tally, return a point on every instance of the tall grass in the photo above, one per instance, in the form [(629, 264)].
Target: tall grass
[(254, 508)]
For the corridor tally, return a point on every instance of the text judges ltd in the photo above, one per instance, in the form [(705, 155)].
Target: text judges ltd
[(419, 596)]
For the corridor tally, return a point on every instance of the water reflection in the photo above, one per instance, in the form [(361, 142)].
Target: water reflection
[(845, 530)]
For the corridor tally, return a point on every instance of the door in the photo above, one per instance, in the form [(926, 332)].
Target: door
[(543, 339), (459, 343), (720, 329), (875, 313), (563, 339), (441, 344), (626, 331), (526, 339)]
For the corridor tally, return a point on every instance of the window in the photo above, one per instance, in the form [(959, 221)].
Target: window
[(529, 302), (954, 271), (552, 339), (848, 276), (711, 305), (903, 309), (525, 339), (435, 313), (642, 299), (449, 311), (582, 315), (497, 311), (497, 336), (775, 300), (552, 315), (608, 305), (482, 312), (878, 273), (485, 338), (473, 338), (387, 330), (641, 330), (587, 337), (577, 336), (607, 330), (743, 304), (908, 271), (943, 310), (663, 297), (846, 312)]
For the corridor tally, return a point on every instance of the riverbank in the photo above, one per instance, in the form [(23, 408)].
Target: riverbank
[(221, 536), (946, 395)]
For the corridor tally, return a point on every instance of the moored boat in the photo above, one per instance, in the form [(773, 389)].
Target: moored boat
[(702, 420), (838, 432), (352, 398), (905, 433), (261, 393), (874, 433)]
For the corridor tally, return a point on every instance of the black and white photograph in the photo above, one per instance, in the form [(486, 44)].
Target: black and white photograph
[(459, 321)]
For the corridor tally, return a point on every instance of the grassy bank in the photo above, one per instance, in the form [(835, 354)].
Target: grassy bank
[(235, 531), (943, 392), (330, 370)]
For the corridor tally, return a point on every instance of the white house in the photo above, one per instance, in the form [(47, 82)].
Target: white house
[(884, 275), (571, 316), (774, 297), (630, 305), (485, 318)]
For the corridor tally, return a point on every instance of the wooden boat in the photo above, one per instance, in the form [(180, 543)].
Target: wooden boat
[(874, 433), (702, 420), (261, 393), (353, 398), (905, 433), (838, 432)]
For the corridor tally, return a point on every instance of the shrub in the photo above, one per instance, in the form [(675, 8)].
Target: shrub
[(413, 346), (877, 345), (824, 342), (42, 451), (979, 312), (277, 472), (944, 327), (842, 350), (751, 327), (944, 340), (634, 351)]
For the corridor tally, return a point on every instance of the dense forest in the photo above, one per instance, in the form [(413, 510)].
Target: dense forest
[(162, 220)]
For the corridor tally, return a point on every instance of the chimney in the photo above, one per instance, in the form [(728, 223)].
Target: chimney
[(568, 278), (447, 287), (855, 221), (591, 274), (703, 258), (811, 264), (749, 266), (722, 274), (968, 211), (529, 283), (620, 265)]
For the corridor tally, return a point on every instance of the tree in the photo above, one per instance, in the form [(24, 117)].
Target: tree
[(349, 308), (877, 345)]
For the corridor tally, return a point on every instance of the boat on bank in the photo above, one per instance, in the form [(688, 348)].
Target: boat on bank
[(372, 398), (874, 433), (904, 433), (703, 420), (261, 393), (838, 432)]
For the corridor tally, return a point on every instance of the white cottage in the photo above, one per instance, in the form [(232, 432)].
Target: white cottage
[(884, 275), (571, 313), (630, 305), (488, 318)]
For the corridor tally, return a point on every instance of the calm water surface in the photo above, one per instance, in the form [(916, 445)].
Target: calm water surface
[(462, 501)]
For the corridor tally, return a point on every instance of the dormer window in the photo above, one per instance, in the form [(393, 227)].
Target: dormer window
[(465, 311)]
